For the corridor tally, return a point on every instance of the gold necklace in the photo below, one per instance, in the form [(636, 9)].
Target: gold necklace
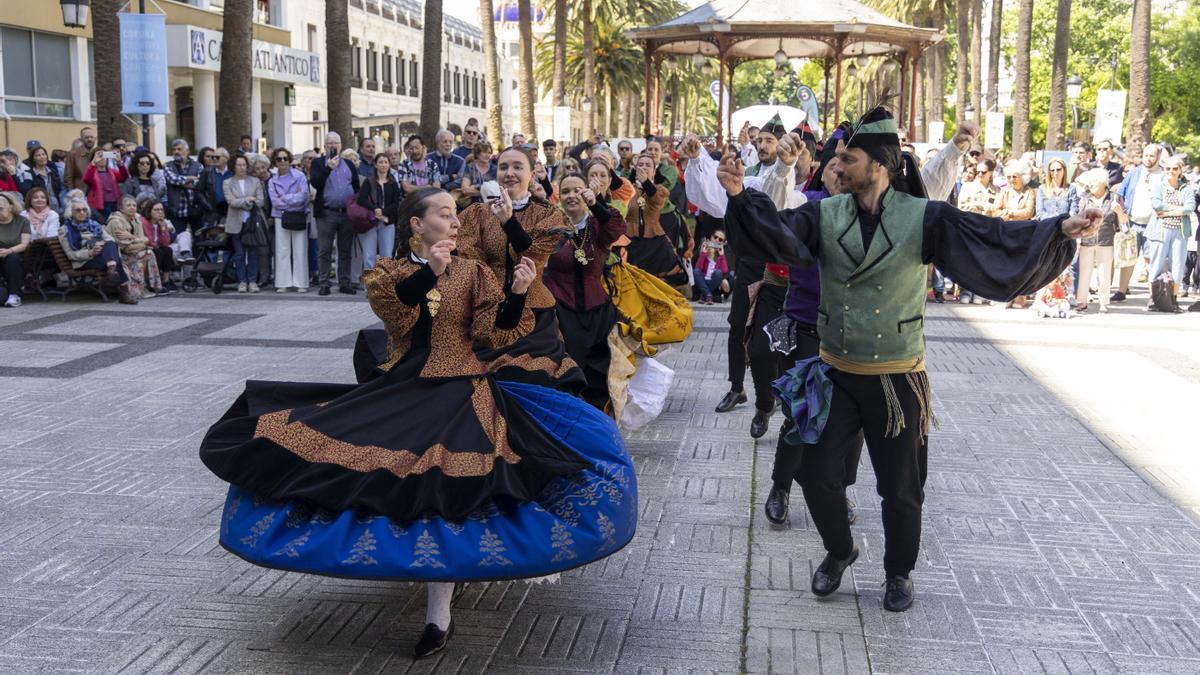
[(581, 256)]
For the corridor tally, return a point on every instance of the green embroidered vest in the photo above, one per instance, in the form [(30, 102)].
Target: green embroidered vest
[(872, 311)]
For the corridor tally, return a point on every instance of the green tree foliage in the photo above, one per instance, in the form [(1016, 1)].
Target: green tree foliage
[(1175, 61)]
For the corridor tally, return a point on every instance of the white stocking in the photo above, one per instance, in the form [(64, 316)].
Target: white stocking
[(437, 603)]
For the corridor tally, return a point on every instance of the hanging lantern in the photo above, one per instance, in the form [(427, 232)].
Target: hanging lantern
[(706, 69), (670, 64), (698, 59), (851, 70), (75, 12), (781, 57), (861, 61)]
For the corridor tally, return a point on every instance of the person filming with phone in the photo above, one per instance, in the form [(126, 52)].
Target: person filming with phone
[(103, 178)]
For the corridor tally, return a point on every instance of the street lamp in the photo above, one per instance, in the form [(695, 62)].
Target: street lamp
[(851, 70), (706, 69), (1074, 89), (670, 64), (75, 12), (698, 59)]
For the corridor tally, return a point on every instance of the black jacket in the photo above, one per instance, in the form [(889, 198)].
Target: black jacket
[(368, 198), (318, 174)]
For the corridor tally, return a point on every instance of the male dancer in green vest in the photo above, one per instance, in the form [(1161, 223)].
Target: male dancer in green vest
[(874, 241)]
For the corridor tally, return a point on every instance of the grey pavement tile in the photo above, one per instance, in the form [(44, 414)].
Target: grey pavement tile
[(117, 326), (34, 353), (801, 652), (900, 655), (1017, 660)]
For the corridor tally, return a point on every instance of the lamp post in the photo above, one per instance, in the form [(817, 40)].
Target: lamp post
[(75, 12), (1074, 89)]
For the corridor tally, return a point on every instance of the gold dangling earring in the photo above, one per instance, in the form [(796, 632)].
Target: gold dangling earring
[(414, 243)]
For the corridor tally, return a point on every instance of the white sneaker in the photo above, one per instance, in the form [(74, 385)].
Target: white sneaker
[(242, 287), (254, 287), (13, 301), (302, 289), (281, 290)]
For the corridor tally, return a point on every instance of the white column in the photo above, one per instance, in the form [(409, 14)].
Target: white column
[(204, 108), (81, 76), (256, 109), (158, 134), (281, 119)]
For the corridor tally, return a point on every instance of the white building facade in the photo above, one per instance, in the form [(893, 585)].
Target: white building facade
[(387, 42)]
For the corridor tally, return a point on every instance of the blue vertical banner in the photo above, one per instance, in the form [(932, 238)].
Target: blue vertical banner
[(808, 103), (144, 89)]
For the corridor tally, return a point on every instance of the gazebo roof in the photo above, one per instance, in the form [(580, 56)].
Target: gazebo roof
[(753, 29)]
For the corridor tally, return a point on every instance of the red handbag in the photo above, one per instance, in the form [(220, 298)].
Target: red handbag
[(361, 219)]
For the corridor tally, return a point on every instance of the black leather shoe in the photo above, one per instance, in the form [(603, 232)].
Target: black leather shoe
[(758, 425), (851, 512), (324, 291), (1117, 297), (432, 640), (347, 290), (828, 576), (731, 401), (898, 595), (777, 506)]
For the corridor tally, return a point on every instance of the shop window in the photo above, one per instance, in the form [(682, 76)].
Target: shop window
[(311, 38), (401, 74), (457, 87), (414, 86), (38, 87), (446, 84)]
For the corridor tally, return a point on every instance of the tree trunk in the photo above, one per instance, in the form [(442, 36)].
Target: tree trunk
[(560, 52), (937, 69), (431, 71), (110, 123), (589, 69), (977, 58), (1055, 139), (233, 112), (1140, 120), (674, 104), (491, 74), (963, 62), (337, 69), (1020, 139), (528, 86), (993, 79)]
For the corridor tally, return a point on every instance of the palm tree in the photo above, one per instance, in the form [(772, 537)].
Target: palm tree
[(1020, 138), (431, 70), (233, 111), (976, 57), (1058, 78), (110, 123), (962, 72), (491, 74), (337, 66), (560, 52), (588, 19), (527, 84), (1140, 120), (993, 80)]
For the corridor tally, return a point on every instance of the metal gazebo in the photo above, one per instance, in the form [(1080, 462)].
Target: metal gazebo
[(737, 31)]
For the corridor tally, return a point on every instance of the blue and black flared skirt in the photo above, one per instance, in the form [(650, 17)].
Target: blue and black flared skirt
[(326, 479)]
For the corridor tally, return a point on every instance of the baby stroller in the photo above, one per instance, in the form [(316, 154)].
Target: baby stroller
[(213, 253)]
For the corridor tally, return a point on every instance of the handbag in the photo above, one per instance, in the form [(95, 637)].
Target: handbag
[(1125, 253), (294, 220), (361, 219), (254, 232)]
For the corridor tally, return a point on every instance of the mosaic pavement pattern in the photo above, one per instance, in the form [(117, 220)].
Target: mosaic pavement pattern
[(1058, 537)]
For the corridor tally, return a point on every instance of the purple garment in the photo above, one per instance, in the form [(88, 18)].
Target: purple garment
[(289, 192), (804, 284), (339, 187)]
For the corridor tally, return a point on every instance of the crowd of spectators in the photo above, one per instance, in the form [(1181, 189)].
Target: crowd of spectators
[(322, 217)]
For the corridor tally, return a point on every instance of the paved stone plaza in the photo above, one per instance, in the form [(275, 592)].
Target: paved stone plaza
[(1061, 523)]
